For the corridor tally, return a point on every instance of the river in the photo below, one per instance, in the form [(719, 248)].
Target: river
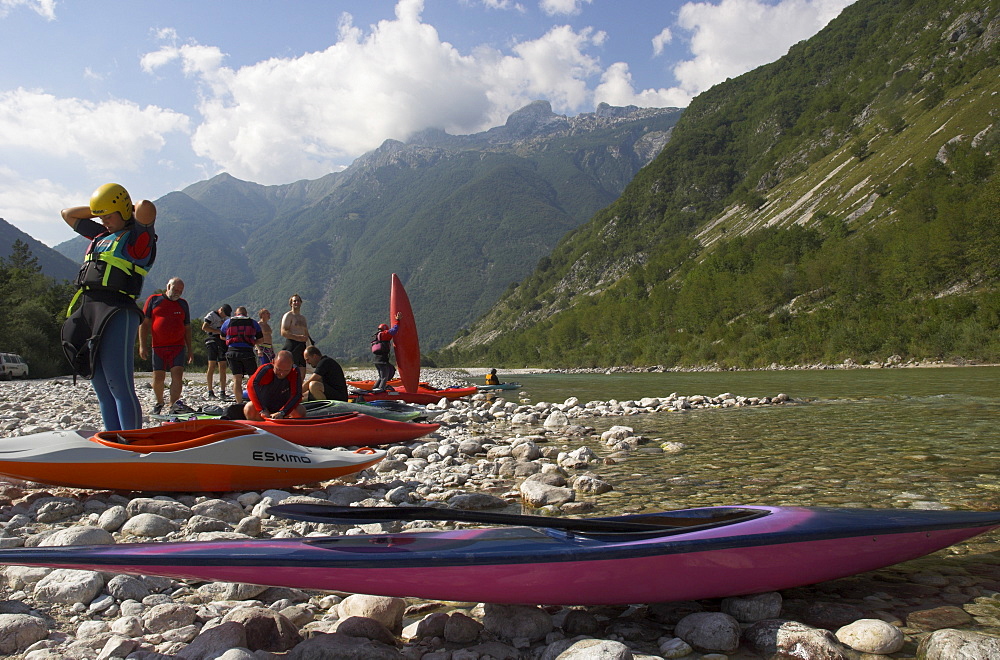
[(913, 437)]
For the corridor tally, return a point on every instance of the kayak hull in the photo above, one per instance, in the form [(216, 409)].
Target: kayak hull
[(348, 429), (423, 388), (183, 457), (417, 398), (786, 547), (405, 342), (317, 409), (500, 386)]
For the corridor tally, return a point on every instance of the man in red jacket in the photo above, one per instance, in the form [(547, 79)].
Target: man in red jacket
[(167, 320), (275, 390)]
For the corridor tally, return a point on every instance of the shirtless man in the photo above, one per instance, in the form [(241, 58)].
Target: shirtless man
[(295, 330), (265, 347)]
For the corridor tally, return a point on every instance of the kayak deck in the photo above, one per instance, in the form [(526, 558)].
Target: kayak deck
[(780, 547)]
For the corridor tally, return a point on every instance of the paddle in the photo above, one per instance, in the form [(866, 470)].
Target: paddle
[(345, 515)]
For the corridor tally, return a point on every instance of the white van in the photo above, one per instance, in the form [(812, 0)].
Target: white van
[(12, 365)]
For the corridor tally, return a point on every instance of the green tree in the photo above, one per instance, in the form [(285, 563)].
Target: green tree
[(34, 309)]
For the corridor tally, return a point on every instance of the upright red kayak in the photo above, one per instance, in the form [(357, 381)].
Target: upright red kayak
[(344, 430), (405, 342)]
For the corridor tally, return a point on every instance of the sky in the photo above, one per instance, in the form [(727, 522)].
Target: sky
[(159, 95)]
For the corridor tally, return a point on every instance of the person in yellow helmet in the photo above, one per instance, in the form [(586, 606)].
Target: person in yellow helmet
[(99, 336)]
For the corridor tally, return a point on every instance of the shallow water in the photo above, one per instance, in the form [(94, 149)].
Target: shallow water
[(924, 438)]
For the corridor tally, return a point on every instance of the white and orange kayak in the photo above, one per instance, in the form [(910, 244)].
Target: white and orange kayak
[(184, 457)]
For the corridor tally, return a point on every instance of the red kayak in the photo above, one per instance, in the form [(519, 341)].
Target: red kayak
[(344, 430), (423, 388)]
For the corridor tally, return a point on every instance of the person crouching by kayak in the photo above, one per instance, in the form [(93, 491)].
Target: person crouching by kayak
[(381, 347), (326, 382), (274, 391), (241, 334), (99, 337)]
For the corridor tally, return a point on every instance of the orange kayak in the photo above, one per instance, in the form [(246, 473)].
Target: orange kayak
[(203, 455), (344, 430)]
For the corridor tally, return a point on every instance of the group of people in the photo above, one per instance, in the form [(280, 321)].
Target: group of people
[(100, 333)]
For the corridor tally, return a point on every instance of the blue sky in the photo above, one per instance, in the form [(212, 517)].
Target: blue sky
[(158, 95)]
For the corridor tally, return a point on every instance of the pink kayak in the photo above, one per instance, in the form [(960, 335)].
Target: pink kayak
[(682, 555)]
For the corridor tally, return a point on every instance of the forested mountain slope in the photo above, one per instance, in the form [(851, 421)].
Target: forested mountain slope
[(51, 262), (459, 218), (842, 202)]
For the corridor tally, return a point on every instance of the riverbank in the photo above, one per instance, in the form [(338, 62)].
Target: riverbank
[(485, 452), (893, 362)]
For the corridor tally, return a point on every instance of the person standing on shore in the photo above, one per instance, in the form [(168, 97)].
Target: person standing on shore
[(381, 348), (241, 334), (166, 327), (265, 347), (215, 347), (99, 337), (295, 330)]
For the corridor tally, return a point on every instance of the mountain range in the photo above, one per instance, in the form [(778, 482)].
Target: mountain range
[(52, 262), (838, 204), (458, 218), (841, 203)]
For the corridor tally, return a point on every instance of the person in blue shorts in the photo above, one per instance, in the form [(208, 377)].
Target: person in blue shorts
[(99, 336)]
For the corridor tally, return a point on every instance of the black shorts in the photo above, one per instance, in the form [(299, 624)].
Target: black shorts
[(216, 349), (242, 362), (297, 349)]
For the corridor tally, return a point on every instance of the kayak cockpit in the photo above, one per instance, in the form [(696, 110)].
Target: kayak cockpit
[(175, 437), (669, 523)]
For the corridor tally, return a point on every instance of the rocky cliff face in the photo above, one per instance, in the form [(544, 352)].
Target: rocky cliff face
[(458, 217)]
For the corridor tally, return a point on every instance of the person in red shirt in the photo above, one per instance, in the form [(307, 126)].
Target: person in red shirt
[(275, 390), (167, 321)]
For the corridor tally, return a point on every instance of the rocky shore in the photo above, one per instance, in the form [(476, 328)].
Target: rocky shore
[(891, 362), (492, 453)]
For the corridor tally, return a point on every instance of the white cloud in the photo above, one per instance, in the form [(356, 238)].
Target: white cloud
[(553, 7), (661, 40), (735, 36), (103, 136), (616, 88), (32, 205), (504, 4), (727, 39), (288, 118), (44, 8)]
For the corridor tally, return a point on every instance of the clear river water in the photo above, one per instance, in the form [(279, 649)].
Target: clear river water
[(910, 437)]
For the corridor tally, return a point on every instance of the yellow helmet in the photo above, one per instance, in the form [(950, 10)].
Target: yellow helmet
[(109, 198)]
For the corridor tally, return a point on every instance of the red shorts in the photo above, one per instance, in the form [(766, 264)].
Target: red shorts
[(165, 358)]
